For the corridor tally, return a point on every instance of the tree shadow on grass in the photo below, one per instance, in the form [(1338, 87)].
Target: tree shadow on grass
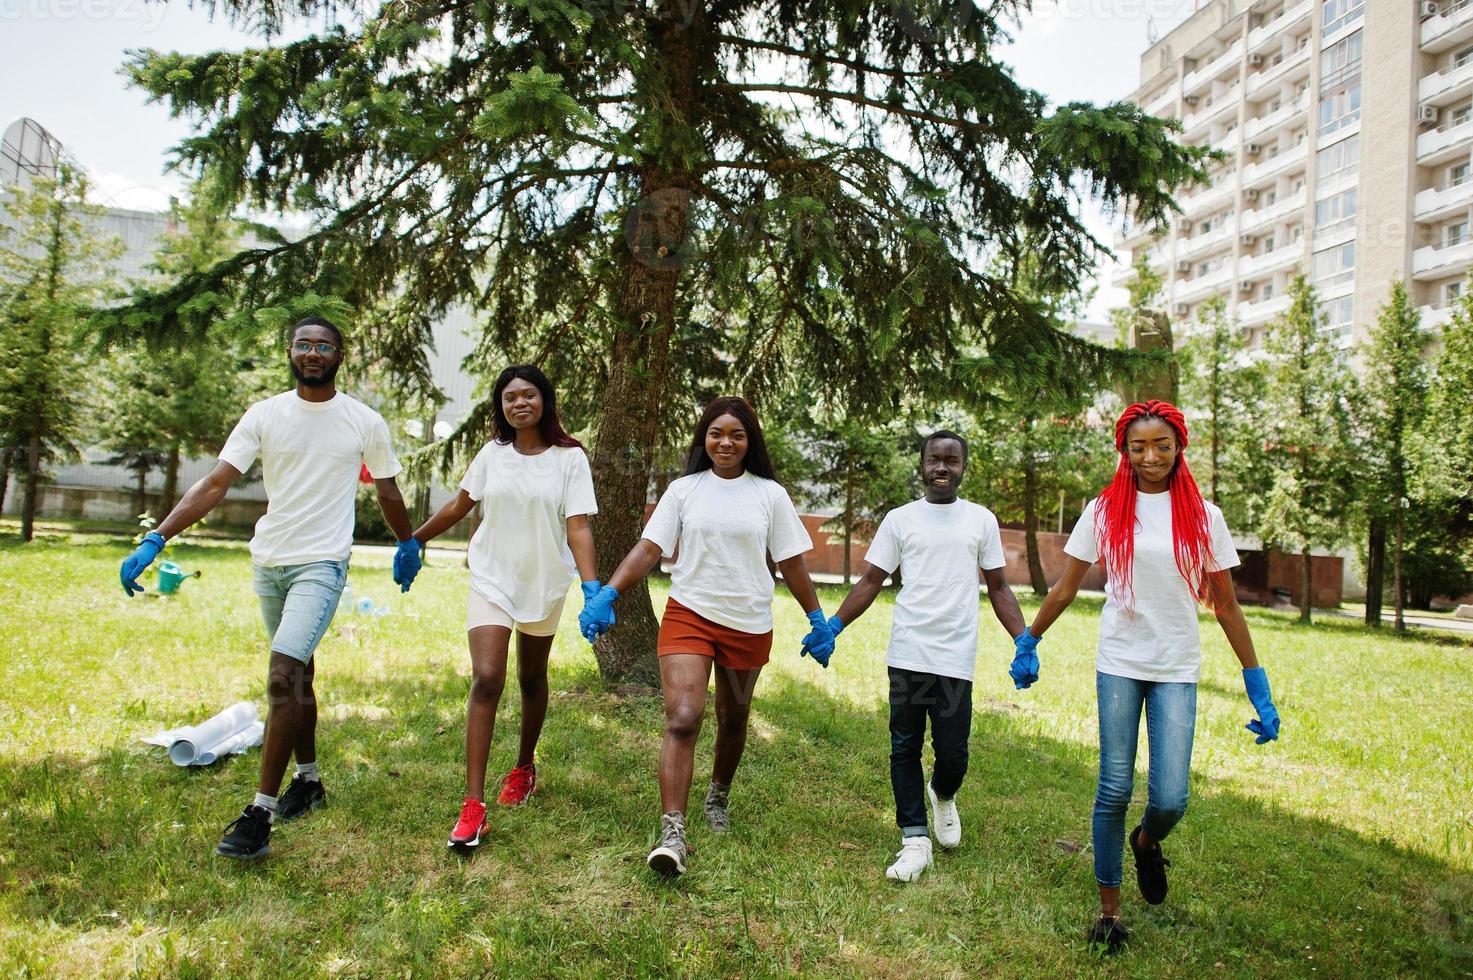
[(109, 856)]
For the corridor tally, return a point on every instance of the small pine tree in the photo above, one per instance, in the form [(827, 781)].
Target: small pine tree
[(54, 267), (1221, 390), (1393, 398), (178, 396), (1306, 423)]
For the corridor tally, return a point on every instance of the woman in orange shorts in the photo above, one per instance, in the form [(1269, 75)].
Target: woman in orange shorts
[(720, 521)]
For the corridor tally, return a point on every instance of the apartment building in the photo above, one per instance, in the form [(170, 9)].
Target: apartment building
[(1348, 132)]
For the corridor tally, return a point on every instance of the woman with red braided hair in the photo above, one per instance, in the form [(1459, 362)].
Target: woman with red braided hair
[(1165, 550)]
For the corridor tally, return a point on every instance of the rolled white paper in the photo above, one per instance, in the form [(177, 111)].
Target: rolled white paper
[(247, 738), (236, 718)]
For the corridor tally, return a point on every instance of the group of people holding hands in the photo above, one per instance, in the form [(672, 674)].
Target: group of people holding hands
[(1165, 550)]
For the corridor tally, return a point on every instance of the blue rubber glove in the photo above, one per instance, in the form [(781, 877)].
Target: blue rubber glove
[(407, 562), (819, 643), (1266, 725), (141, 558), (1024, 670), (590, 589), (598, 612)]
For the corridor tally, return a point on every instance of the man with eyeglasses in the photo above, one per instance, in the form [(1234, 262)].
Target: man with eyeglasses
[(312, 442)]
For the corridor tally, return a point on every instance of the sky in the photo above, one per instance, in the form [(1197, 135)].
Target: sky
[(60, 61)]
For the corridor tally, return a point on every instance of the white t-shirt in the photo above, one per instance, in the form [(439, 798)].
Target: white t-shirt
[(720, 532), (519, 556), (938, 549), (311, 454), (1158, 641)]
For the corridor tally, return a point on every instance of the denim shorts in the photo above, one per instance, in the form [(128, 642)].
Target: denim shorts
[(298, 602)]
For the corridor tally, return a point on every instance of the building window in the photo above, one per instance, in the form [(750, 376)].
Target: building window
[(1463, 57), (1339, 109), (1268, 244), (1336, 14), (1457, 175), (1456, 233), (1267, 292), (1334, 265), (1338, 158), (1335, 210), (1340, 61), (1452, 291), (1340, 316), (1462, 113)]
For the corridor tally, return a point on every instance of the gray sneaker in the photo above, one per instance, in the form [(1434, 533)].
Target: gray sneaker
[(717, 800), (668, 857)]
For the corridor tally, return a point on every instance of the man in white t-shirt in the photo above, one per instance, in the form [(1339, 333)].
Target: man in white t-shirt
[(312, 443), (938, 544)]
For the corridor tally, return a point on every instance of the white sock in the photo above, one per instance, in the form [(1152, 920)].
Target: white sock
[(308, 771), (268, 803)]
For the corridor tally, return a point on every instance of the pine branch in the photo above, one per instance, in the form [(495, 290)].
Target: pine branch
[(854, 97), (859, 66)]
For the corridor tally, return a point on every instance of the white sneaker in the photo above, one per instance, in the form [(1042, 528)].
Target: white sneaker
[(948, 821), (913, 858)]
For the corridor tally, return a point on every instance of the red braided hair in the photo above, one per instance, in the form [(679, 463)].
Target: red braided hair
[(1115, 510)]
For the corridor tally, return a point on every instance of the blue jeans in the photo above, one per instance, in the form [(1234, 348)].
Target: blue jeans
[(298, 602), (1171, 714)]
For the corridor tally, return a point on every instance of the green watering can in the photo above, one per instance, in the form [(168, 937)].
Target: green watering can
[(170, 575)]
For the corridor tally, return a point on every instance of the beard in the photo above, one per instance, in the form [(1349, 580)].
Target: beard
[(320, 381)]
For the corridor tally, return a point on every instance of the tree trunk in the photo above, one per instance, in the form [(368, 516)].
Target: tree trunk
[(171, 481), (1375, 570), (1306, 587), (848, 520), (1397, 588), (33, 480), (1030, 527), (1152, 334), (140, 491), (5, 457)]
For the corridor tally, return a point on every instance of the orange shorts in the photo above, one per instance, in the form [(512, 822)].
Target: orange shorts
[(684, 631)]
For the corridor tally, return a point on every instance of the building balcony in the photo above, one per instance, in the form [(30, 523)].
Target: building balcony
[(1257, 173), (1435, 318), (1441, 202), (1273, 30), (1452, 26), (1163, 106), (1213, 70), (1258, 220), (1282, 117), (1445, 143), (1206, 114), (1441, 261), (1195, 290), (1208, 242), (1210, 199), (1281, 258), (1295, 63), (1259, 313), (1447, 86)]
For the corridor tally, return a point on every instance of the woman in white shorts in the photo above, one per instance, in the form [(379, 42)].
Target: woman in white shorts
[(535, 489)]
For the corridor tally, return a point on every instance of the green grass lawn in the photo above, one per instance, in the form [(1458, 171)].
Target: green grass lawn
[(1344, 850)]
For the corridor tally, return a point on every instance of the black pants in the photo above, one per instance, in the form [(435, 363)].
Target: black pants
[(947, 701)]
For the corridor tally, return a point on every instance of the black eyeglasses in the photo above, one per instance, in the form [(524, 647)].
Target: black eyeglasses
[(304, 347)]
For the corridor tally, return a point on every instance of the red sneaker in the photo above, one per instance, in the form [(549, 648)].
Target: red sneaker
[(519, 784), (469, 827)]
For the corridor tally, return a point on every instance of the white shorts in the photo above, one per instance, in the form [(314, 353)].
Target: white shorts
[(481, 611)]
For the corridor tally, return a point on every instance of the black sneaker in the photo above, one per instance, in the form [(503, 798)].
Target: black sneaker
[(248, 836), (1108, 933), (1150, 869), (302, 795)]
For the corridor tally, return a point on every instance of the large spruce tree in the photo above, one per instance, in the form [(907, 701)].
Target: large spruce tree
[(621, 189)]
